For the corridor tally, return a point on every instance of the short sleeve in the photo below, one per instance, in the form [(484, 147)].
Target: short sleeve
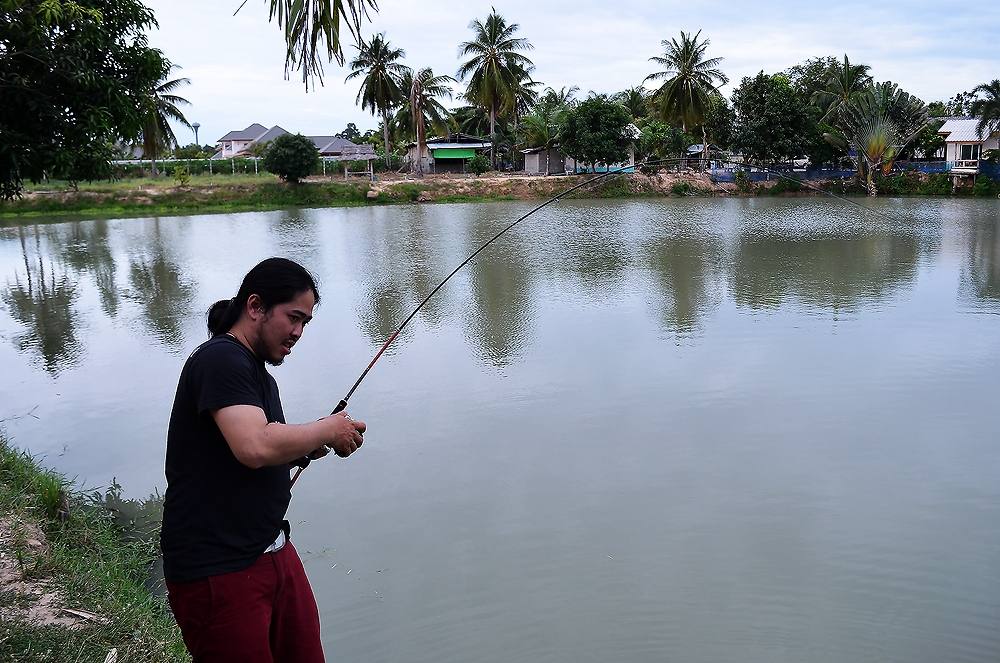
[(222, 375)]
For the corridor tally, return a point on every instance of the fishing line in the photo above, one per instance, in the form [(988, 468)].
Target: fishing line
[(303, 462)]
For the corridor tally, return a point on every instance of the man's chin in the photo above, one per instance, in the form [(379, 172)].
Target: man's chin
[(275, 362)]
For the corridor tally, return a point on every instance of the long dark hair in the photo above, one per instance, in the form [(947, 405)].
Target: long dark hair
[(275, 281)]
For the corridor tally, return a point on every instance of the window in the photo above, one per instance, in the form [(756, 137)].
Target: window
[(970, 152)]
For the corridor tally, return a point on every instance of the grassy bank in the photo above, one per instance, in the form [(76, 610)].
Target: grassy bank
[(74, 575)]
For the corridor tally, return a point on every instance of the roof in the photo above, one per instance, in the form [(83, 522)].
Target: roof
[(253, 132), (271, 134), (536, 150), (457, 138), (961, 130), (331, 143)]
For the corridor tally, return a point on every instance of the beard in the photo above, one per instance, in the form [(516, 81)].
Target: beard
[(261, 350)]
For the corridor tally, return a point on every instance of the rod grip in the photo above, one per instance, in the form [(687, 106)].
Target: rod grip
[(304, 461)]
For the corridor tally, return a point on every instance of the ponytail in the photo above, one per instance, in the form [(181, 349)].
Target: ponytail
[(275, 281)]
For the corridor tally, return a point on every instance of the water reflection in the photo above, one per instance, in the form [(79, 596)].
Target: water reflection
[(86, 249), (982, 276), (158, 286), (827, 273), (502, 316), (42, 300), (688, 276)]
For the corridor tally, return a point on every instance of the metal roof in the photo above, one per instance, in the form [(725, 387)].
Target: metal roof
[(253, 132), (962, 131)]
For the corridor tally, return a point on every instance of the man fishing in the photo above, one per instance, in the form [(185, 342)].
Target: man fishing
[(236, 585)]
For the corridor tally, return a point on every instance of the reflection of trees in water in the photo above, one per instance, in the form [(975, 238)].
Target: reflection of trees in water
[(294, 232), (836, 273), (592, 248), (982, 277), (501, 292), (687, 272), (396, 258), (158, 287), (86, 249), (43, 302)]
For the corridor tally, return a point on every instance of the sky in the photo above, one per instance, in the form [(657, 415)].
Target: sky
[(236, 63)]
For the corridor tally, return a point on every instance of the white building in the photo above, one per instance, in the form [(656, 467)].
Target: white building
[(964, 147)]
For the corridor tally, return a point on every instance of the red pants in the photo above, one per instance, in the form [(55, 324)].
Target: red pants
[(263, 614)]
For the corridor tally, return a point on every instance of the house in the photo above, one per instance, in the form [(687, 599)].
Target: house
[(627, 166), (964, 147), (447, 154), (236, 143), (541, 161), (241, 143)]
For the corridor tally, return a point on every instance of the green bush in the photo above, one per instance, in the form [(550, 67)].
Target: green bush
[(181, 175), (785, 185), (743, 183), (937, 184), (479, 164), (682, 189), (985, 187), (291, 157)]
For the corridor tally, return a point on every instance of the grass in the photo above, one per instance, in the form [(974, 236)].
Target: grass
[(97, 560), (166, 182)]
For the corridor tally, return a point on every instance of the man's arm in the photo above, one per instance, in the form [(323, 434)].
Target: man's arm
[(257, 443)]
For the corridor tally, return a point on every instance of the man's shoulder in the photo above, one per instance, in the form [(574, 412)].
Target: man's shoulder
[(220, 351)]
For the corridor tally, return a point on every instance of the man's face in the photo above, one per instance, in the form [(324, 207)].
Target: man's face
[(280, 328)]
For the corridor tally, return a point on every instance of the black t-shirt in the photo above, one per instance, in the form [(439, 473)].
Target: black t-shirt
[(218, 514)]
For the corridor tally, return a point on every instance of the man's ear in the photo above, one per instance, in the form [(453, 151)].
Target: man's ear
[(255, 308)]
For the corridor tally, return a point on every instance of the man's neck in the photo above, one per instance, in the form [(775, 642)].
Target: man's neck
[(241, 337)]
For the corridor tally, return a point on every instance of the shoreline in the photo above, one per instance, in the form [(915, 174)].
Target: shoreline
[(265, 193), (75, 571)]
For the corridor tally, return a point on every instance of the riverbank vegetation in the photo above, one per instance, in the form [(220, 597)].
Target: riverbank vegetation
[(75, 571)]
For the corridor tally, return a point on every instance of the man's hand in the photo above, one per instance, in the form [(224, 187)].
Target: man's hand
[(345, 434)]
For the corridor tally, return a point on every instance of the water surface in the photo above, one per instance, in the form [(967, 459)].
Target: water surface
[(690, 430)]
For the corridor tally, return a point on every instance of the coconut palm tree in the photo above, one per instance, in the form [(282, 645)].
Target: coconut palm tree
[(564, 97), (987, 109), (161, 106), (689, 80), (540, 128), (492, 68), (472, 120), (879, 124), (847, 82), (635, 99), (422, 107), (378, 66)]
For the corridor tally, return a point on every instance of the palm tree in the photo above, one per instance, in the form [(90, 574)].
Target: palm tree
[(378, 62), (160, 108), (541, 129), (690, 79), (988, 109), (423, 108), (564, 97), (472, 120), (492, 68), (635, 99), (879, 124), (843, 88)]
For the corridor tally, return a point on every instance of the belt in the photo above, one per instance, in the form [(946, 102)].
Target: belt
[(278, 544)]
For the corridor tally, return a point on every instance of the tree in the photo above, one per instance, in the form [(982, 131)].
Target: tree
[(987, 109), (878, 125), (160, 106), (423, 107), (291, 157), (492, 68), (659, 140), (71, 75), (812, 75), (381, 87), (845, 85), (472, 120), (690, 80), (312, 27), (564, 97), (597, 131), (541, 129), (350, 133), (719, 120), (635, 99), (772, 121)]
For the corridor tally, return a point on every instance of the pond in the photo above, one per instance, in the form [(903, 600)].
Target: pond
[(677, 429)]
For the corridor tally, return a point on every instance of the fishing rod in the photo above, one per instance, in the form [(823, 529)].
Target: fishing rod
[(303, 462)]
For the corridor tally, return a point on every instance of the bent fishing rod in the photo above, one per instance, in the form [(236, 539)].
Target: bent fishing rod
[(303, 462)]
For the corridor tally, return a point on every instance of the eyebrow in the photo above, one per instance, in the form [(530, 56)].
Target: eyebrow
[(303, 314)]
